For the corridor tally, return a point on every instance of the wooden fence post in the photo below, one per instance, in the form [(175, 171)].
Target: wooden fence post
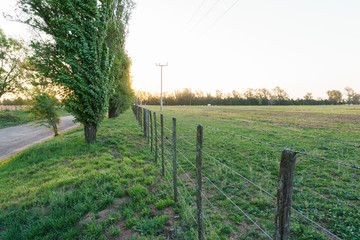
[(156, 137), (147, 126), (137, 112), (199, 144), (174, 161), (284, 195), (144, 121), (140, 116), (151, 132), (162, 144)]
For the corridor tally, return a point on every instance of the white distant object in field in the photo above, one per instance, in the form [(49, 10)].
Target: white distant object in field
[(209, 105)]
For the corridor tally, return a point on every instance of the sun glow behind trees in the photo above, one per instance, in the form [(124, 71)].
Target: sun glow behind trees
[(261, 96)]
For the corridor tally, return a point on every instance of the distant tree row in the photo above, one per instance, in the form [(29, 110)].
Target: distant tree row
[(261, 96)]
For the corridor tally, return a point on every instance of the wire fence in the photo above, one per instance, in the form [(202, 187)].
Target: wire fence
[(228, 212)]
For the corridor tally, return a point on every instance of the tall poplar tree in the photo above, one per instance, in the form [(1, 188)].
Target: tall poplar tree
[(122, 93), (76, 56)]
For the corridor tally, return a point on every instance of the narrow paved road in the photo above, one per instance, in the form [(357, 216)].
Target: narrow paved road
[(16, 139)]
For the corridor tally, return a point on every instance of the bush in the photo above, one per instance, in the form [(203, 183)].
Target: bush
[(45, 109)]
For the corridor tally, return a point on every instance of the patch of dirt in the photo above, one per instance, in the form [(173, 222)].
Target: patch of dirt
[(86, 219), (104, 213), (126, 233), (243, 227), (169, 229)]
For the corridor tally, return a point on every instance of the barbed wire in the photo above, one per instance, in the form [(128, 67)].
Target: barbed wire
[(266, 192), (273, 145), (206, 198), (252, 183), (192, 215), (280, 147), (194, 183), (194, 201), (192, 198), (230, 200), (329, 160), (235, 172), (237, 207), (280, 125)]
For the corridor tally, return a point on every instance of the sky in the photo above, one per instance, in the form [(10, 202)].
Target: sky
[(301, 46)]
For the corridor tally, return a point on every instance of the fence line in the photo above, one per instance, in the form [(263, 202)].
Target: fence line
[(303, 135), (231, 169), (226, 196), (192, 198), (192, 181), (176, 150), (280, 147), (206, 198), (237, 207), (300, 152), (266, 192), (181, 196), (329, 160)]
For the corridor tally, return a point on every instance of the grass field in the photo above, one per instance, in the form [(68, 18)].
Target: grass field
[(9, 118), (66, 189), (249, 140)]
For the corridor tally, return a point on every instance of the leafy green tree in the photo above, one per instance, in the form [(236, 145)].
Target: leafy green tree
[(45, 107), (335, 96), (77, 55), (11, 55), (308, 96), (352, 96), (279, 94), (123, 94)]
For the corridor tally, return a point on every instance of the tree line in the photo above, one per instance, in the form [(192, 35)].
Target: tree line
[(263, 96), (80, 60)]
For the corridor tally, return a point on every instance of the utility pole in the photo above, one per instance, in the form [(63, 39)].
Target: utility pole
[(161, 98)]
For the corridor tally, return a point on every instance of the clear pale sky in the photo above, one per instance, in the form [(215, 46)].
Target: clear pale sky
[(301, 46)]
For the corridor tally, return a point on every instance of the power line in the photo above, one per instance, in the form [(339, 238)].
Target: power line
[(207, 13), (222, 15), (196, 11)]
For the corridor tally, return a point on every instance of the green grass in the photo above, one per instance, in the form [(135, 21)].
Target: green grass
[(66, 189), (9, 118), (326, 192)]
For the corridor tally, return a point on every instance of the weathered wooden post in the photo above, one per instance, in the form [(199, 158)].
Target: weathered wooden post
[(284, 195), (147, 126), (162, 144), (174, 161), (156, 137), (144, 118), (137, 112), (151, 132), (199, 144), (140, 116)]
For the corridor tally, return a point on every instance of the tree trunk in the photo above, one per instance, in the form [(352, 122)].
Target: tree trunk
[(90, 132), (113, 112), (56, 130)]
